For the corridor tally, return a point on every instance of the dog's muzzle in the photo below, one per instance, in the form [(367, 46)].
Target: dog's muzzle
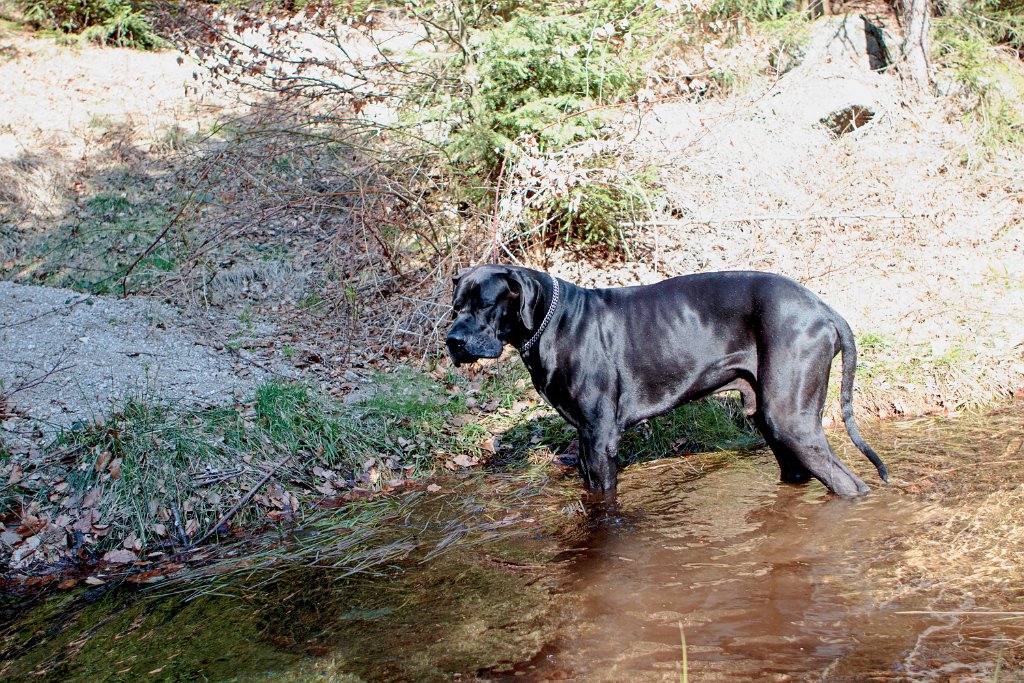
[(466, 347)]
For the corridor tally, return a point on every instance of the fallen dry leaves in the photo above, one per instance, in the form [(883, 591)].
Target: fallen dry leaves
[(120, 557)]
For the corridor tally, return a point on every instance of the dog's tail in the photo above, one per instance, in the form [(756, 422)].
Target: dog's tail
[(849, 348)]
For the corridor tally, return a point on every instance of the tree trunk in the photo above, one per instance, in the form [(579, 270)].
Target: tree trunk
[(916, 43)]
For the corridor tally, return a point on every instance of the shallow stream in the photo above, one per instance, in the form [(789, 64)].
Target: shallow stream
[(920, 580)]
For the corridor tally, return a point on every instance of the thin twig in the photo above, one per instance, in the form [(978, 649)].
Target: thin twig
[(163, 233), (240, 504), (209, 478), (181, 530)]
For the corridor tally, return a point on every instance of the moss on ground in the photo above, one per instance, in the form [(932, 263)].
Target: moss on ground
[(418, 622)]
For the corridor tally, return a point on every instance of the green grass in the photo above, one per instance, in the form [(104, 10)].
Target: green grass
[(108, 204), (102, 121), (155, 472), (7, 492), (880, 357), (751, 10), (899, 374), (593, 212), (528, 438), (507, 383), (956, 356), (715, 423), (991, 83), (312, 302), (150, 461), (872, 343)]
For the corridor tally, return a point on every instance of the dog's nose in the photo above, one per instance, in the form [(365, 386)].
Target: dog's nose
[(456, 348)]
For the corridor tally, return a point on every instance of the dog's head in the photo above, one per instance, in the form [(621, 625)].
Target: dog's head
[(491, 306)]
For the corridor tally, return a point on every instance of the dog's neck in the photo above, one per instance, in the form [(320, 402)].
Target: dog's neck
[(552, 307)]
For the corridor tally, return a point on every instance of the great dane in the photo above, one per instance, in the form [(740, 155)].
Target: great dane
[(607, 359)]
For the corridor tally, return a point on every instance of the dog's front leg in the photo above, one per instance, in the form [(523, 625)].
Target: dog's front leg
[(599, 447)]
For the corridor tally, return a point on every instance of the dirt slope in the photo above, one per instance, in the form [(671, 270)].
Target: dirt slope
[(922, 252)]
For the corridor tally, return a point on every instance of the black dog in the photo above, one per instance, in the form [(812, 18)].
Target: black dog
[(607, 359)]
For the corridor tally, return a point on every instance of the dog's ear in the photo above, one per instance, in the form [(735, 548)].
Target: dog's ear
[(457, 277), (527, 291)]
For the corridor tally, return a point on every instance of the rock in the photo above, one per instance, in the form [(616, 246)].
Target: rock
[(838, 83)]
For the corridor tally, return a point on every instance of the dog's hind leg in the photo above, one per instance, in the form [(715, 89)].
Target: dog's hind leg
[(801, 448), (793, 471), (793, 384)]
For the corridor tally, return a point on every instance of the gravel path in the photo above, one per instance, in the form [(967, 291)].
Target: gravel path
[(65, 356)]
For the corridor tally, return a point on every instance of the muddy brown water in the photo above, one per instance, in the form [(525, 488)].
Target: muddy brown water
[(775, 580), (920, 580)]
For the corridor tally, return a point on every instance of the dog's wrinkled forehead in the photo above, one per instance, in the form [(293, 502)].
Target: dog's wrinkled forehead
[(479, 287)]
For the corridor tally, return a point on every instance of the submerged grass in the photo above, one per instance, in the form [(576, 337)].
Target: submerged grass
[(373, 536), (276, 614), (965, 553)]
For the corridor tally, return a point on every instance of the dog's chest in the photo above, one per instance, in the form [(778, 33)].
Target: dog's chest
[(555, 393)]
